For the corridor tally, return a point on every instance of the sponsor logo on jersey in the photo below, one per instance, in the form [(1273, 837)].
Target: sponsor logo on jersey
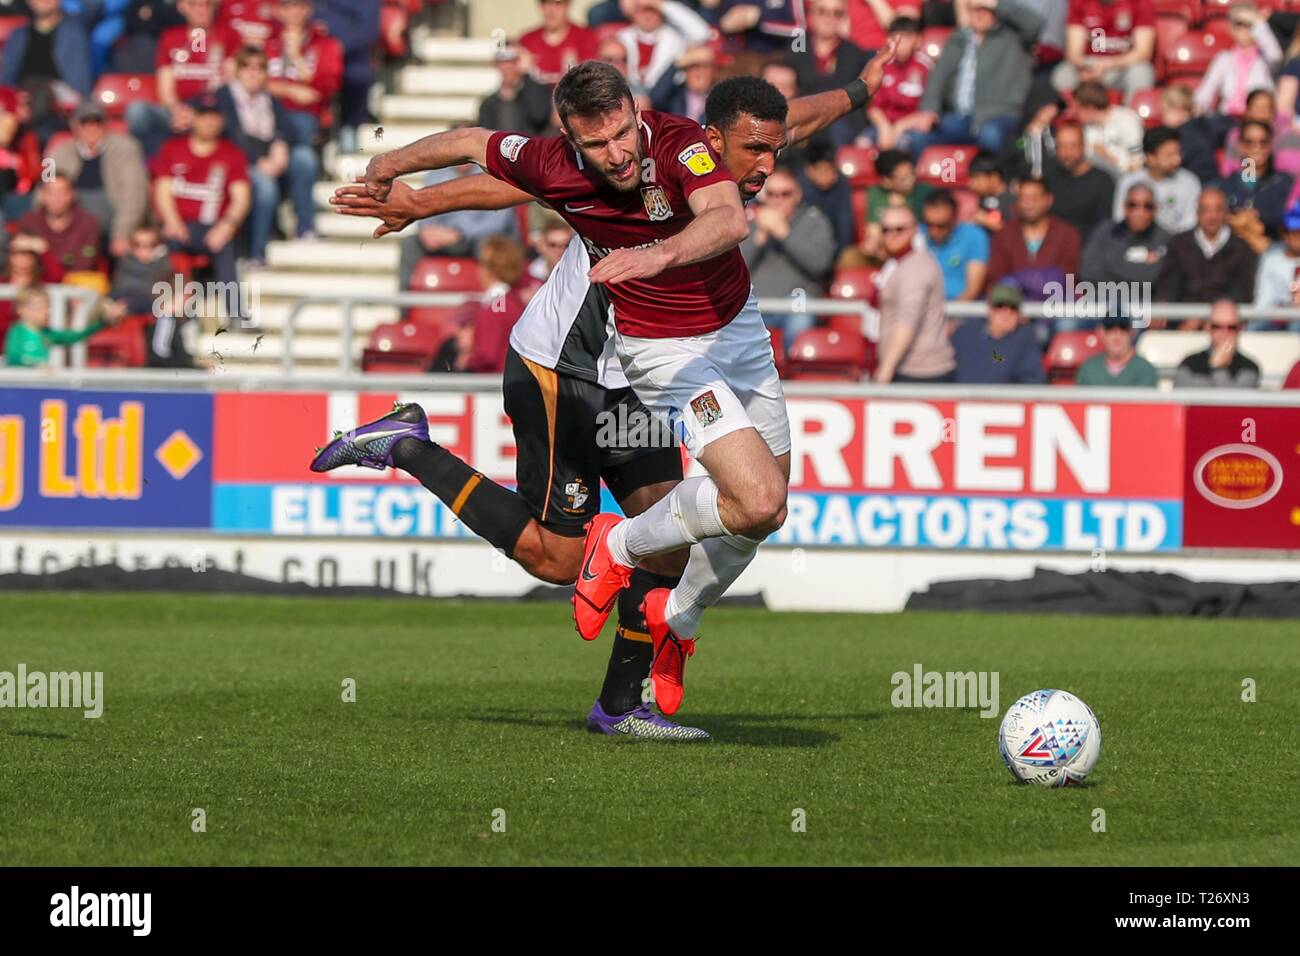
[(511, 145), (696, 158), (706, 408), (657, 206)]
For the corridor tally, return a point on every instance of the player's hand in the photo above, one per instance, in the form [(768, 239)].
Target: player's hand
[(394, 213), (873, 74), (379, 177), (624, 264)]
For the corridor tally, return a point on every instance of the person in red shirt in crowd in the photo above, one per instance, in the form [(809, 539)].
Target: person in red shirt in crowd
[(1293, 377), (305, 65), (60, 231), (15, 174), (190, 61), (253, 20), (202, 193), (24, 272), (558, 43), (826, 61), (484, 339), (891, 109), (1112, 41), (870, 20)]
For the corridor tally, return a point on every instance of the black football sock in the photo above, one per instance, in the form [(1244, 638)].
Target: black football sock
[(629, 661), (495, 514)]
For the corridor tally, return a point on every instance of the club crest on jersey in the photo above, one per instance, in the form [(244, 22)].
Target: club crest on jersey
[(576, 493), (706, 408), (657, 206), (511, 145), (696, 158)]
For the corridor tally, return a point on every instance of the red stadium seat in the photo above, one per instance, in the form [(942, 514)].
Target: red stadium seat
[(120, 346), (933, 39), (393, 23), (402, 347), (1146, 103), (857, 165), (857, 284), (446, 274), (1190, 56), (1189, 11), (946, 166), (57, 140), (1221, 30), (1066, 352), (115, 90), (1215, 10), (831, 354), (859, 201), (1169, 30)]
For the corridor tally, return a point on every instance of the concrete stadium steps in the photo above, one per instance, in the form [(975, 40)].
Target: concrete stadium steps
[(333, 257), (330, 225), (236, 349), (321, 318), (395, 136), (475, 81), (323, 190), (286, 284), (435, 48), (443, 110)]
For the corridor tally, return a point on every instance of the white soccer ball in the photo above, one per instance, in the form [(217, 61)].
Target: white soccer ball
[(1050, 738)]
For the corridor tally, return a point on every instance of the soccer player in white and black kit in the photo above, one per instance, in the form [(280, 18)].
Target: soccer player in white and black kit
[(559, 377)]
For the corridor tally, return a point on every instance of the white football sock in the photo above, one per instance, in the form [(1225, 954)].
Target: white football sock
[(687, 514), (714, 565)]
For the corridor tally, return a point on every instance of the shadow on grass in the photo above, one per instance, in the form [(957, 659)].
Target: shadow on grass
[(747, 730)]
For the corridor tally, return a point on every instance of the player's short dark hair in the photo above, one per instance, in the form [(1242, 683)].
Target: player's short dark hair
[(889, 160), (592, 88), (744, 96), (1156, 137), (941, 197), (987, 163)]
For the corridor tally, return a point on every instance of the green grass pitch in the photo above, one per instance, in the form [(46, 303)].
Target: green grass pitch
[(234, 705)]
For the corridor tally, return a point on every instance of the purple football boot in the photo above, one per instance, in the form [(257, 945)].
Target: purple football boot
[(642, 723), (371, 446)]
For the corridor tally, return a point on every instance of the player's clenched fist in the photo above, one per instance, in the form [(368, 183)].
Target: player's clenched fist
[(623, 264)]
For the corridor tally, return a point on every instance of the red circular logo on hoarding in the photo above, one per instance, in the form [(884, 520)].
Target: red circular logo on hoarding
[(1237, 476)]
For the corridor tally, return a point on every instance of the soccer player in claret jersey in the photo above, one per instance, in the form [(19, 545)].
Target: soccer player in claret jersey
[(556, 348)]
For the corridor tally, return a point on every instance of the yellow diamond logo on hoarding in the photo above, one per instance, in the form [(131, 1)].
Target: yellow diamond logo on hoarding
[(178, 454)]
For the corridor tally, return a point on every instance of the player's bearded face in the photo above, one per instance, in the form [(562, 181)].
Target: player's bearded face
[(611, 145), (749, 150)]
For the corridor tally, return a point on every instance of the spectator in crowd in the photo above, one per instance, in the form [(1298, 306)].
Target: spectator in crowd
[(557, 44), (144, 22), (612, 51), (892, 110), (870, 21), (987, 180), (760, 26), (999, 349), (108, 172), (253, 21), (1261, 106), (1131, 250), (16, 176), (685, 89), (137, 273), (1083, 193), (520, 103), (202, 192), (305, 67), (1278, 280), (52, 47), (1175, 189), (978, 88), (484, 340), (825, 60), (961, 248), (190, 61), (24, 271), (1112, 134), (790, 249), (256, 122), (1035, 248), (1199, 136), (28, 341), (1208, 262), (1221, 365), (550, 239), (896, 186), (914, 344), (783, 77), (1250, 66), (1037, 140), (824, 187), (1118, 363), (1111, 42), (453, 234), (659, 33), (355, 24), (60, 231), (1258, 193)]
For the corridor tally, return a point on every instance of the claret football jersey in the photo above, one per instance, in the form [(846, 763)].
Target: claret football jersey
[(685, 300)]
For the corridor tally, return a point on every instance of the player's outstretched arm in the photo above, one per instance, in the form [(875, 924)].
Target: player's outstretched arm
[(452, 147), (406, 205), (718, 225), (809, 114)]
